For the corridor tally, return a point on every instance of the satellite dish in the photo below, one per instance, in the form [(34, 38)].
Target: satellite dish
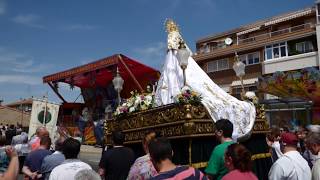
[(228, 41)]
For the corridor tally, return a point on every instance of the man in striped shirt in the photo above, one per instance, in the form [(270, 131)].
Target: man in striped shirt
[(161, 156)]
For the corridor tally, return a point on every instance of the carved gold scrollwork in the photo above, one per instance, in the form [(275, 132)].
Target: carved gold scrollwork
[(205, 128), (198, 112), (189, 127), (173, 121), (187, 111)]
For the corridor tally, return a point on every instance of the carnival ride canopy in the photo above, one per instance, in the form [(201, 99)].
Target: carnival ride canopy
[(100, 73), (303, 84)]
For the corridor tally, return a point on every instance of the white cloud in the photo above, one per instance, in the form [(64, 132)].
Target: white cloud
[(20, 79), (81, 27), (152, 54), (30, 20), (3, 7), (155, 49), (21, 63)]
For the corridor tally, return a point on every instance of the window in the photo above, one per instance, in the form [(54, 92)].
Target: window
[(304, 47), (217, 65), (243, 58), (276, 51), (249, 59), (212, 66)]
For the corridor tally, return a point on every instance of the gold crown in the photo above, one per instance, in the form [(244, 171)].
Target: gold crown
[(171, 26)]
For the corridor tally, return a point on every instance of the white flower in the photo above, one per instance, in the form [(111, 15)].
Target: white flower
[(131, 109), (185, 88), (148, 99), (137, 101), (250, 95)]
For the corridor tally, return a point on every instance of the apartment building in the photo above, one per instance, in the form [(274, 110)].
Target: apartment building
[(282, 43)]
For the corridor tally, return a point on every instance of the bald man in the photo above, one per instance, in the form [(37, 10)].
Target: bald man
[(35, 142)]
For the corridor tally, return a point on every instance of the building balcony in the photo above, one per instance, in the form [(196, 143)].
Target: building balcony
[(275, 33), (299, 61), (259, 41)]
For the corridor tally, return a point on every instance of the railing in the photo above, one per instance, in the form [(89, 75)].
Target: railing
[(265, 36), (275, 33)]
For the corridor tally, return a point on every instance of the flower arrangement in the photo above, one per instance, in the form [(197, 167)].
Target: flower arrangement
[(188, 96), (136, 102), (251, 96)]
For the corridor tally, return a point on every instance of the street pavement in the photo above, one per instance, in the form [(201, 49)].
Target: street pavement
[(90, 155)]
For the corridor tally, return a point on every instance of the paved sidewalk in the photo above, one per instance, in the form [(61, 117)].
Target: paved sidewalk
[(90, 149), (90, 155)]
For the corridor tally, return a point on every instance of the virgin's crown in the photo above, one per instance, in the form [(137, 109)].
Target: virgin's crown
[(171, 26)]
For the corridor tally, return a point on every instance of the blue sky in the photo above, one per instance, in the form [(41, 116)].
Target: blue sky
[(40, 37)]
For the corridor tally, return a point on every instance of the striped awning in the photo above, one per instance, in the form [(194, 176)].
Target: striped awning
[(286, 18), (248, 30), (245, 82)]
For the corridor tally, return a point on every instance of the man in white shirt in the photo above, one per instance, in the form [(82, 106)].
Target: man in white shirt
[(313, 143), (72, 165), (291, 165)]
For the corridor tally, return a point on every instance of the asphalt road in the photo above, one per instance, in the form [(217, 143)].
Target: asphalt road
[(90, 155)]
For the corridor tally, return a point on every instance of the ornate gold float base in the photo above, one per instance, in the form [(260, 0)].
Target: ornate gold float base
[(173, 121)]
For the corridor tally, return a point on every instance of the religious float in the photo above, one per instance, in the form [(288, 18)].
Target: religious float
[(184, 107), (183, 104), (95, 83)]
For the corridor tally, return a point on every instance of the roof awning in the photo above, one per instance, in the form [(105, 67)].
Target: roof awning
[(100, 73), (286, 18), (303, 84), (248, 30), (245, 82)]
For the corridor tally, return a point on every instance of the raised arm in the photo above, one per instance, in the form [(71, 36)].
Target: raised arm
[(13, 169)]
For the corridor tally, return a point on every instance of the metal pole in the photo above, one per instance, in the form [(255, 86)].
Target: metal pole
[(119, 98), (45, 113), (184, 76)]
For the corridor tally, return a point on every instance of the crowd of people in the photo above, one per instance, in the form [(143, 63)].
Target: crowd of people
[(229, 160), (43, 160), (295, 156)]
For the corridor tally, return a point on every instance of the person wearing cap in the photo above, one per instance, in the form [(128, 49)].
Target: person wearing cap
[(291, 165)]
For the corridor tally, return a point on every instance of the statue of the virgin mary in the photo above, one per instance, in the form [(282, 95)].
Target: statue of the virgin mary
[(218, 103)]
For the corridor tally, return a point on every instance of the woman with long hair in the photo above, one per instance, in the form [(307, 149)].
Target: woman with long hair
[(239, 163)]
